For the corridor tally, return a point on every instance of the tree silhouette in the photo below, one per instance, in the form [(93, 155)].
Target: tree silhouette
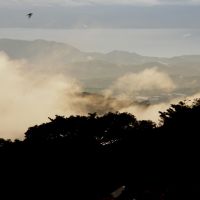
[(91, 156)]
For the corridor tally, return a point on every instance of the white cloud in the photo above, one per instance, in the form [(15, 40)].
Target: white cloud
[(29, 98), (151, 79)]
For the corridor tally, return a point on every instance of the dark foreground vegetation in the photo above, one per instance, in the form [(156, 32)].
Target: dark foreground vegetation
[(89, 157)]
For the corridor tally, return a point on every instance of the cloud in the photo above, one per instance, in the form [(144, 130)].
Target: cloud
[(29, 98), (147, 80), (151, 112), (128, 87)]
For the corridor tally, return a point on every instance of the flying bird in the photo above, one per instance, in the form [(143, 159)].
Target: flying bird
[(29, 15)]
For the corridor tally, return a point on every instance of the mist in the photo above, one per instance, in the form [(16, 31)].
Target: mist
[(150, 79), (28, 98), (130, 87)]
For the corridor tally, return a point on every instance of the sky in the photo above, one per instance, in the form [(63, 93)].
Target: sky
[(69, 14), (96, 2), (61, 15)]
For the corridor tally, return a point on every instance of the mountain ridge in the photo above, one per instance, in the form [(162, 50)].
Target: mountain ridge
[(56, 57)]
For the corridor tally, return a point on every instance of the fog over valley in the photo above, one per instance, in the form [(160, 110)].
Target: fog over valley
[(41, 79)]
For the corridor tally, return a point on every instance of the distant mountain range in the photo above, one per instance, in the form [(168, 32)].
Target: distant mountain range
[(98, 70)]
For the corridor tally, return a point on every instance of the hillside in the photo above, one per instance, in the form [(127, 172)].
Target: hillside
[(98, 70)]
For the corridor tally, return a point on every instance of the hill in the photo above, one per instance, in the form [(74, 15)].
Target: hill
[(97, 70)]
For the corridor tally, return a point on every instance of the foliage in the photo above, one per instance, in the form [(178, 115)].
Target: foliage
[(91, 156)]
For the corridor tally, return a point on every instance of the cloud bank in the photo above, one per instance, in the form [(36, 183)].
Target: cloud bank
[(30, 97), (128, 87), (147, 80)]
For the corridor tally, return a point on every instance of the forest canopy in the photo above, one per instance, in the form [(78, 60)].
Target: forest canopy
[(94, 155)]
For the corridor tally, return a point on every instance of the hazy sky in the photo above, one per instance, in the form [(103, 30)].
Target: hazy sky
[(89, 15), (100, 13), (97, 2)]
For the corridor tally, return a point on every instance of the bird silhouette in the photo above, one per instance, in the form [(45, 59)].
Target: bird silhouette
[(29, 15)]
